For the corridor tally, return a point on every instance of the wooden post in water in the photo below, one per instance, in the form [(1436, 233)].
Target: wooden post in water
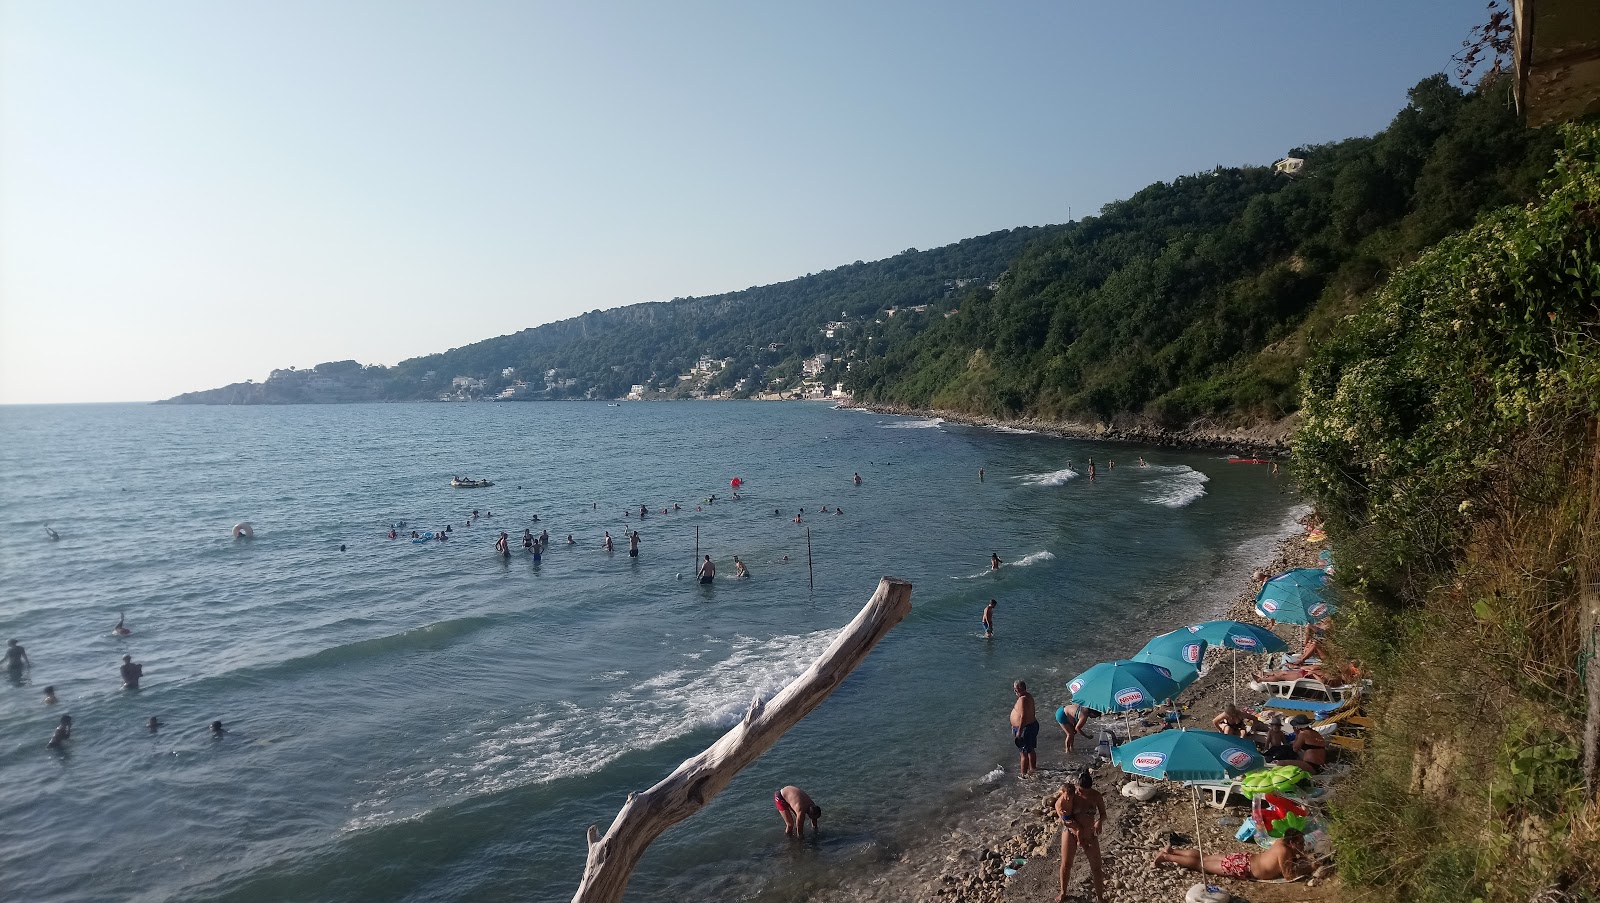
[(647, 813), (810, 572)]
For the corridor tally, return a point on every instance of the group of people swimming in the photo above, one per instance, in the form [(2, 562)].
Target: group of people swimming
[(131, 672)]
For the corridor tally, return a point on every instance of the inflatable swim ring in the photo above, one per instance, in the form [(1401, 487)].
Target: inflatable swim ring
[(243, 528)]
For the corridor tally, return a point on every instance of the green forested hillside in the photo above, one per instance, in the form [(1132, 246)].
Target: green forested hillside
[(602, 353), (1196, 297)]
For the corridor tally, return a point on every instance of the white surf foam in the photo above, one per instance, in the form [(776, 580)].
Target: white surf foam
[(1180, 485), (559, 740), (1053, 478), (928, 424), (1033, 558), (1011, 429)]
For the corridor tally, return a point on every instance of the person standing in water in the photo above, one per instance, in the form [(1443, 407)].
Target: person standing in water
[(795, 805), (633, 544), (50, 696), (1072, 717), (503, 545), (988, 618), (707, 571), (980, 474), (994, 561), (858, 479), (740, 572), (131, 672), (1025, 729), (607, 543), (16, 657)]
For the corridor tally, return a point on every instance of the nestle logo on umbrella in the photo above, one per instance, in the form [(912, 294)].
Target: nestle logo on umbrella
[(1149, 761), (1269, 606), (1075, 686), (1243, 642), (1191, 653), (1238, 758), (1130, 697), (1317, 610)]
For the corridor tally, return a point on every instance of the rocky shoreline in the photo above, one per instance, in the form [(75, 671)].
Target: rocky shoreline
[(966, 857), (1269, 440)]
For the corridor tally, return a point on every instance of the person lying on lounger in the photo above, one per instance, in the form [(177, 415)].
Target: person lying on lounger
[(1286, 860)]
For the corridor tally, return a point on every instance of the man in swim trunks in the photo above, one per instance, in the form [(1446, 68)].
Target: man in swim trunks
[(131, 672), (1082, 811), (707, 571), (607, 543), (1286, 860), (796, 806), (1072, 718), (988, 618), (502, 545), (633, 544), (1025, 729)]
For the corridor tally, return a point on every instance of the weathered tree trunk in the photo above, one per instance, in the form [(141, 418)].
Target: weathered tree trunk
[(646, 814)]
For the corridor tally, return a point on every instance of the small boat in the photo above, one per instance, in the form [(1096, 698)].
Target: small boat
[(469, 484), (613, 404)]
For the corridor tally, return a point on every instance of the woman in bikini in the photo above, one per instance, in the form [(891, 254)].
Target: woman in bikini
[(1082, 810)]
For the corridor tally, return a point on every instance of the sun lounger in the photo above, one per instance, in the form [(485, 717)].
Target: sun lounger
[(1347, 743), (1310, 708), (1219, 794)]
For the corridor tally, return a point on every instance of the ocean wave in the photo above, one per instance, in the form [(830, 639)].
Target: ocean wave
[(561, 740), (927, 424), (1053, 478), (1011, 429), (1024, 561), (1183, 485)]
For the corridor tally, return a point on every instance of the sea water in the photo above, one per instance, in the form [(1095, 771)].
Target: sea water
[(430, 721)]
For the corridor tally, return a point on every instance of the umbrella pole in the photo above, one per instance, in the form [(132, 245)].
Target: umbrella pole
[(1235, 677), (1199, 844)]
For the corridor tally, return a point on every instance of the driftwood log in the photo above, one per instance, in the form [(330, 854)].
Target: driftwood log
[(648, 813)]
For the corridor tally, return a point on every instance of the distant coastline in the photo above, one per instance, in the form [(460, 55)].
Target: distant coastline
[(1272, 439)]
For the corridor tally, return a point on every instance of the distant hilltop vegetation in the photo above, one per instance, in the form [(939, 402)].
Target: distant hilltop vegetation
[(800, 338), (1191, 302)]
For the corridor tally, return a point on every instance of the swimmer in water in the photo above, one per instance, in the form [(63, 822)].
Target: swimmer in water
[(797, 519), (131, 672), (980, 474), (988, 618), (607, 543), (16, 657), (341, 547), (824, 509), (570, 540), (707, 571), (676, 506), (994, 561), (217, 730), (122, 628), (51, 533), (1141, 461), (502, 545), (63, 733), (1110, 464), (633, 544), (154, 724), (858, 479), (740, 572), (50, 696), (838, 511)]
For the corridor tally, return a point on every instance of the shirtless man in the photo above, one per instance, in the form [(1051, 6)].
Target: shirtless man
[(16, 656), (988, 618), (707, 571), (1082, 811), (1071, 718), (131, 672), (1286, 860), (122, 626), (607, 543), (796, 806), (502, 544), (994, 561), (633, 544), (1025, 729)]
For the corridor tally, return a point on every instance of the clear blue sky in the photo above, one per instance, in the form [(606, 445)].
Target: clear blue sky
[(193, 193)]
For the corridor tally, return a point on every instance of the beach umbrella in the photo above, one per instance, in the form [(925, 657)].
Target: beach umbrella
[(1238, 636), (1179, 651), (1295, 597), (1124, 686), (1185, 755), (1188, 755)]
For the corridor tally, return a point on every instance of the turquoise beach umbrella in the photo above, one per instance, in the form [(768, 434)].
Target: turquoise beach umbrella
[(1180, 652), (1295, 597), (1187, 755), (1237, 635), (1124, 686)]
